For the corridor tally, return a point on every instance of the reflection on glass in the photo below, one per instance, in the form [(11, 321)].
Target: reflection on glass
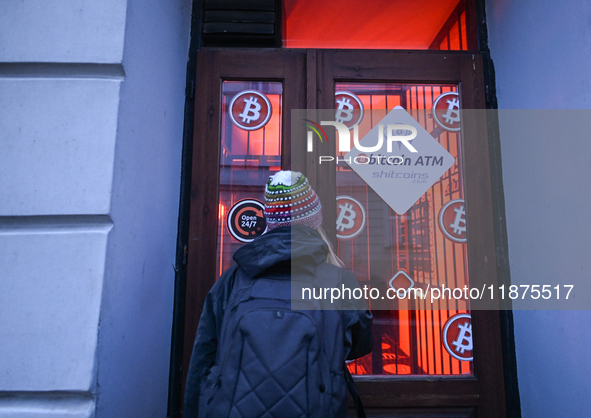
[(248, 157)]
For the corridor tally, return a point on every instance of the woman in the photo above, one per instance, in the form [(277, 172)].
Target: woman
[(254, 356)]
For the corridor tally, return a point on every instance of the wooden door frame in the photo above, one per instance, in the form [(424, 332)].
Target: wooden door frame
[(485, 389), (483, 392)]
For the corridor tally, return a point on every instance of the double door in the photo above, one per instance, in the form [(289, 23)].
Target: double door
[(439, 360)]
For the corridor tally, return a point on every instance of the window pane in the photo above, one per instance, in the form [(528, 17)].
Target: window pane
[(250, 152), (409, 340)]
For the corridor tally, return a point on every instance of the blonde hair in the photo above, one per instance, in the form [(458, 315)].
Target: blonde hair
[(331, 257)]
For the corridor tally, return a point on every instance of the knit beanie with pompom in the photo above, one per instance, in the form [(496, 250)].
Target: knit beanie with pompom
[(289, 200)]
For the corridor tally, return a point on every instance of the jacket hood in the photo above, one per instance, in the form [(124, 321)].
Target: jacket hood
[(299, 246)]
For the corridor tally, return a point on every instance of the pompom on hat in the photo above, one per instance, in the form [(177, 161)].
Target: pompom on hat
[(289, 200)]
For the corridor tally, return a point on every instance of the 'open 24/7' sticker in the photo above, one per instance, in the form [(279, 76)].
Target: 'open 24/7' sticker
[(246, 220)]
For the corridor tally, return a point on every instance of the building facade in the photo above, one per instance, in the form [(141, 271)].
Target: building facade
[(95, 170)]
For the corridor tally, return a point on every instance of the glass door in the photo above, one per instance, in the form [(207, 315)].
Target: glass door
[(243, 133), (442, 360), (415, 249), (251, 118)]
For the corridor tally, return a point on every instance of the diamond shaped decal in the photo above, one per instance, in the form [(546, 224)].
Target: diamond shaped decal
[(401, 280), (394, 171)]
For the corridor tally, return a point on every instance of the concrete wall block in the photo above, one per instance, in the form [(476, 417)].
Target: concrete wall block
[(50, 295), (24, 405), (57, 145), (62, 31)]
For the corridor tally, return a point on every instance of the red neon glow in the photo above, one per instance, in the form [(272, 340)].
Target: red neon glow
[(379, 24)]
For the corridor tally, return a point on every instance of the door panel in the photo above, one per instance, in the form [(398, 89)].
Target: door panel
[(408, 340), (213, 163), (247, 158), (229, 164), (485, 389)]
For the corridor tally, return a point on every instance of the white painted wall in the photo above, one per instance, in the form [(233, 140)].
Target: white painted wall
[(542, 54), (59, 144), (59, 99), (88, 31), (91, 119), (136, 315)]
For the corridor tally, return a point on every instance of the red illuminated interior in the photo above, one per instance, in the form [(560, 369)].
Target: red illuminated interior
[(408, 340), (379, 24)]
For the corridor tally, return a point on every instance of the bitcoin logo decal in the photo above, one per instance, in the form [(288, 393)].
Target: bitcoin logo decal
[(446, 111), (350, 217), (250, 110), (349, 109), (346, 213), (453, 111), (459, 221), (459, 343), (251, 106), (452, 220), (457, 337), (344, 115)]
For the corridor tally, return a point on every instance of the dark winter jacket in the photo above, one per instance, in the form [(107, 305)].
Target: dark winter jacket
[(278, 252)]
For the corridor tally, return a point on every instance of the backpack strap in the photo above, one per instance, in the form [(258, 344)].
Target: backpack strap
[(241, 288), (354, 394)]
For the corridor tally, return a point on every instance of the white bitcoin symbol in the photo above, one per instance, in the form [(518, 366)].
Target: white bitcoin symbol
[(453, 106), (459, 225), (344, 115), (459, 343), (346, 213), (252, 106)]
